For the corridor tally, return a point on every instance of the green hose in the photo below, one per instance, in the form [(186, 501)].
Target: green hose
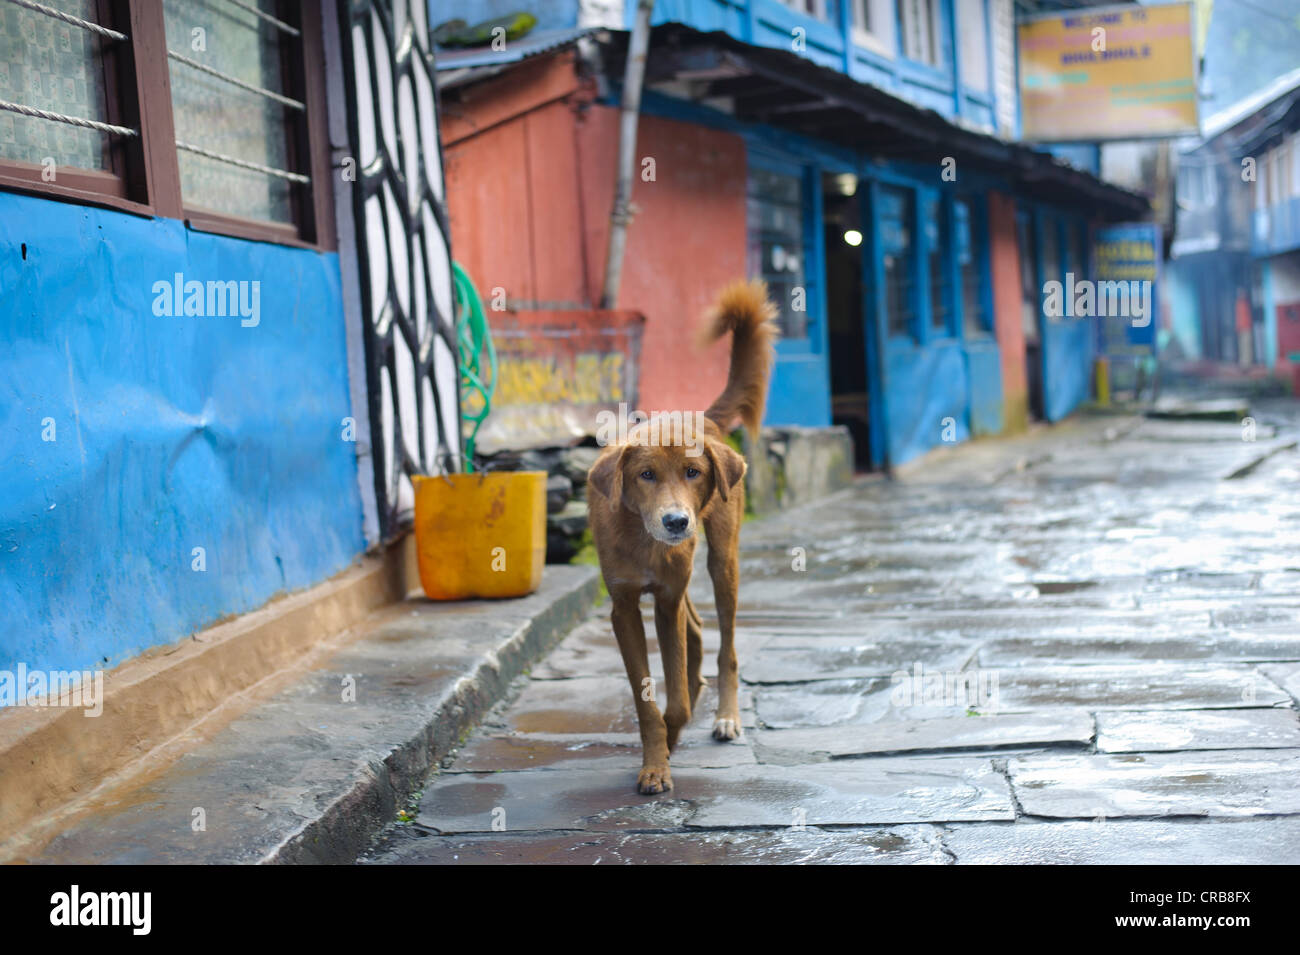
[(478, 360)]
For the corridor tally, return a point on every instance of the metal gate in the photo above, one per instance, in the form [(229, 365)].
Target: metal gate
[(403, 249)]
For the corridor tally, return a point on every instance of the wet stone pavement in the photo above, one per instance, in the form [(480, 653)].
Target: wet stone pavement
[(1081, 645)]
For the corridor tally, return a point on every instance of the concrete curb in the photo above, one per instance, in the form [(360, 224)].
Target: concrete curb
[(308, 775), (163, 693), (346, 827)]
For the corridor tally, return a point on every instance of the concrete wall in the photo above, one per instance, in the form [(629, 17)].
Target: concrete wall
[(794, 466)]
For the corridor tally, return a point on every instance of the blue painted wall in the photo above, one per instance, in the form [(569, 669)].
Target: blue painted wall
[(984, 371), (1276, 229), (171, 433), (929, 390), (1067, 366)]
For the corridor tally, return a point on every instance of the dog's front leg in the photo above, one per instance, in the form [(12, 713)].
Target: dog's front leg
[(629, 630), (670, 625)]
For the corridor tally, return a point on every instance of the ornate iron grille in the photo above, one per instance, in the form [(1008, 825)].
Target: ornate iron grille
[(403, 249)]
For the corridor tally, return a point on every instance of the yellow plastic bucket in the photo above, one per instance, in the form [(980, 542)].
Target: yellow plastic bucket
[(481, 535)]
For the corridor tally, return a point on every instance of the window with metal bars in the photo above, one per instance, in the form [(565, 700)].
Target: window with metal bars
[(898, 245), (968, 234), (208, 110), (937, 234), (776, 219), (920, 23)]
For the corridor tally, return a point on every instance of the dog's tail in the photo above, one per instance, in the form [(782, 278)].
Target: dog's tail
[(745, 310)]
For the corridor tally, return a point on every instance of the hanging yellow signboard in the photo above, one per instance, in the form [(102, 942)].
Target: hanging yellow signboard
[(1107, 73)]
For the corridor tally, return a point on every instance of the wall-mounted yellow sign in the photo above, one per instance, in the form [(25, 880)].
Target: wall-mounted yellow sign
[(1108, 73)]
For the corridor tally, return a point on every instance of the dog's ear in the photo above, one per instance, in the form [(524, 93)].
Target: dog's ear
[(606, 476), (728, 466)]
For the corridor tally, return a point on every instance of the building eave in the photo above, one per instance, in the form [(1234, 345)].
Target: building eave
[(783, 90)]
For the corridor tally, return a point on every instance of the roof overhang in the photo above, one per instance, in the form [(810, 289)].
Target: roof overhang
[(789, 92), (779, 88)]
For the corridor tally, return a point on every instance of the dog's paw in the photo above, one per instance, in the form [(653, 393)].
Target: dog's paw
[(654, 779), (726, 729)]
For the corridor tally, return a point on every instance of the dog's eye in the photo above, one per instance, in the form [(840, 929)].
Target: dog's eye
[(647, 475), (692, 472)]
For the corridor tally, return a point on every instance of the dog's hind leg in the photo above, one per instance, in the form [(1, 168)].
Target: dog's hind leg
[(722, 529), (695, 683), (629, 630)]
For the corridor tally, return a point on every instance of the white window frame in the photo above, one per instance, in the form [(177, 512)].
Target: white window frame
[(878, 38), (818, 11), (922, 21)]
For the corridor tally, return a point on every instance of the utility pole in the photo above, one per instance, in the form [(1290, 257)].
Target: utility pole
[(621, 215)]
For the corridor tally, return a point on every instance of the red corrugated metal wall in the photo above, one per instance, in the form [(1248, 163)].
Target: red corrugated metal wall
[(542, 236)]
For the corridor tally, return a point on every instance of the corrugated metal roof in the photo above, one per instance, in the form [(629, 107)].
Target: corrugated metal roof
[(539, 41), (1243, 109)]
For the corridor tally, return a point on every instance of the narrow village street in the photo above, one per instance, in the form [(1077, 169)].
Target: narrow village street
[(1075, 646)]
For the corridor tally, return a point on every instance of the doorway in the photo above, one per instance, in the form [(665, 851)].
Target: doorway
[(843, 238), (1026, 242)]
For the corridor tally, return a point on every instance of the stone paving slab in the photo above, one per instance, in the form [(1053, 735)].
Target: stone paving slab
[(697, 749), (1144, 685), (1112, 842), (863, 659), (988, 626), (1261, 644), (1252, 783), (595, 705), (895, 845), (592, 650), (874, 792), (1025, 689), (1058, 728), (1161, 731), (1285, 675)]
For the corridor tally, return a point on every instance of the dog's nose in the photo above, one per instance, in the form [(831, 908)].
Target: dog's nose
[(676, 522)]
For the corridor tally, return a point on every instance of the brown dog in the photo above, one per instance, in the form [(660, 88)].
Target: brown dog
[(647, 498)]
